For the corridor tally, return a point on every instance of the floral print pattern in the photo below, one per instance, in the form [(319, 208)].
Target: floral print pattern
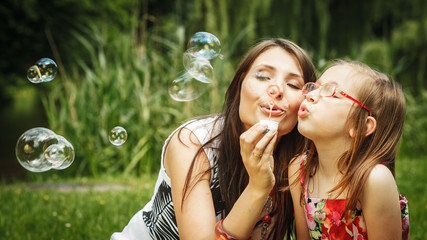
[(405, 217), (325, 219)]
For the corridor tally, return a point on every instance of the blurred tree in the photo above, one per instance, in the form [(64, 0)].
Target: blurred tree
[(27, 26)]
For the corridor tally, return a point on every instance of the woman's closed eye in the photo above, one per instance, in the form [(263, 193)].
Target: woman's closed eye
[(294, 86), (262, 76)]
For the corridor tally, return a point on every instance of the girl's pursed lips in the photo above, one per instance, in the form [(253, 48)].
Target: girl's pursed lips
[(303, 110)]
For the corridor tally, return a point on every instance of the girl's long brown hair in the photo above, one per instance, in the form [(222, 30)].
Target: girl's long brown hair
[(387, 103), (232, 174)]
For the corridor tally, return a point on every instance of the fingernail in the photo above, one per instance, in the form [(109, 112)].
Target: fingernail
[(266, 131)]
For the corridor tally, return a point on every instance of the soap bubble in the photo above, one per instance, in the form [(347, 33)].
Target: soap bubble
[(273, 91), (44, 70), (31, 146), (40, 149), (185, 88), (60, 155), (118, 136), (199, 68), (34, 75), (204, 45)]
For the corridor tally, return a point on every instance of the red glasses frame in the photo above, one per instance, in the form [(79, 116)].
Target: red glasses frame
[(305, 92)]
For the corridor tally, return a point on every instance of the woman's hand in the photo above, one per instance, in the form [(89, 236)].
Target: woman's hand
[(257, 149)]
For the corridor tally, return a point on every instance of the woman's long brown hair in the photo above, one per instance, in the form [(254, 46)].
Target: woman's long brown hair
[(387, 103), (232, 173)]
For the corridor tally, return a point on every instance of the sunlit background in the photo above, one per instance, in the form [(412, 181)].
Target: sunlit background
[(116, 61)]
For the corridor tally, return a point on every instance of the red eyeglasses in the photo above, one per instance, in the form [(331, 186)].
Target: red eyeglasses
[(330, 90)]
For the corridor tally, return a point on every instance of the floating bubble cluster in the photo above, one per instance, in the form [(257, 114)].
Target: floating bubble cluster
[(118, 136), (44, 70), (40, 149), (201, 48)]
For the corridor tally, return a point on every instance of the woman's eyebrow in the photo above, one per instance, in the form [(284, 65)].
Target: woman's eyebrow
[(297, 75), (265, 66)]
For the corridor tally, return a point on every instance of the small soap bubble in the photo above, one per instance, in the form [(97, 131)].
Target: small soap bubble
[(61, 155), (118, 136), (31, 146), (185, 88), (44, 70), (34, 75), (54, 154), (204, 45), (273, 91), (200, 68)]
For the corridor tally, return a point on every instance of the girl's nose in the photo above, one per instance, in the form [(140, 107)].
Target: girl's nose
[(313, 96)]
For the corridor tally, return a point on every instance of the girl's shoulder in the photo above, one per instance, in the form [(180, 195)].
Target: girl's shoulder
[(297, 162), (380, 184), (380, 176)]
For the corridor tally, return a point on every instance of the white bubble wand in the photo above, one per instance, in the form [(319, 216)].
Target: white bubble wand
[(273, 91)]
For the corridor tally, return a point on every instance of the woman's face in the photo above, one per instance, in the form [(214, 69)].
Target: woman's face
[(274, 66)]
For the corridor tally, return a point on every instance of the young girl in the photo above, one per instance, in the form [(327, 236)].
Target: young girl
[(343, 185), (217, 172)]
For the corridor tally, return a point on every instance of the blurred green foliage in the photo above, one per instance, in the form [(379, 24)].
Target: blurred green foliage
[(117, 57)]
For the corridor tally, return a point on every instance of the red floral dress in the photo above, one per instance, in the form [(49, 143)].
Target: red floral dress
[(325, 221)]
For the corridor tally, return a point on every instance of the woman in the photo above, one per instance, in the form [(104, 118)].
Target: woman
[(206, 186)]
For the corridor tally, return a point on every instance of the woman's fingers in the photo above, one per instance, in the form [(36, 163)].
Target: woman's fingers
[(249, 139), (265, 145), (268, 152)]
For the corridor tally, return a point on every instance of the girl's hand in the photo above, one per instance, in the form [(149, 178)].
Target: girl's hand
[(256, 149)]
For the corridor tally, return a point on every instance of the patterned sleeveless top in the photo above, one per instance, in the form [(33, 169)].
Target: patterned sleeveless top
[(158, 214), (325, 219)]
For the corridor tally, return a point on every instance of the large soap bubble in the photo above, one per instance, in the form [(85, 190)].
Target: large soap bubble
[(185, 88), (44, 70), (31, 146), (118, 136), (40, 149), (204, 45)]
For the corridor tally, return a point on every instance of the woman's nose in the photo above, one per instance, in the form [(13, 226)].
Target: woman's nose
[(275, 91), (280, 94)]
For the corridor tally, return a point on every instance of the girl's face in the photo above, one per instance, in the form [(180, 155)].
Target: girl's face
[(324, 117), (274, 66)]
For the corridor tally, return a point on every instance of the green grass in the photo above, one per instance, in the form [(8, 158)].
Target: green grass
[(28, 212), (411, 178)]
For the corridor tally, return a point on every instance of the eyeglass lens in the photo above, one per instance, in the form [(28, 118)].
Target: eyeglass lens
[(326, 90)]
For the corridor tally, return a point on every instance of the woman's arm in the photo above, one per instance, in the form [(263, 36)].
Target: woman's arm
[(300, 222), (196, 217), (380, 205)]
